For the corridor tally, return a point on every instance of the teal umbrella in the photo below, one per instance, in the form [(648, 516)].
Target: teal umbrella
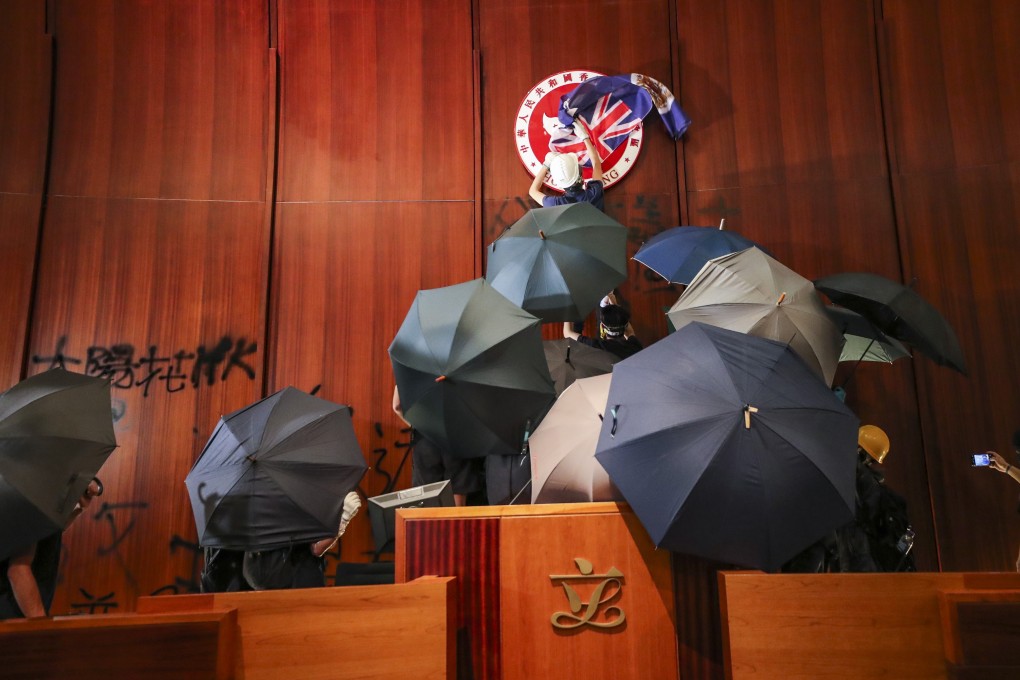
[(56, 431), (557, 263), (470, 370)]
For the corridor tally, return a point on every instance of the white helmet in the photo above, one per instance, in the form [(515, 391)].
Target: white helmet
[(565, 170)]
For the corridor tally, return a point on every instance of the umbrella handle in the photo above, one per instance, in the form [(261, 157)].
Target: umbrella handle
[(614, 411)]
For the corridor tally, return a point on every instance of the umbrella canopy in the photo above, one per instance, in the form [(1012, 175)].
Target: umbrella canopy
[(275, 473), (569, 360), (897, 310), (56, 431), (563, 465), (727, 446), (557, 263), (753, 293), (678, 254), (864, 342), (470, 370)]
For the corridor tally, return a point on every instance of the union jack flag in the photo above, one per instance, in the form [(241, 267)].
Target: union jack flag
[(612, 107)]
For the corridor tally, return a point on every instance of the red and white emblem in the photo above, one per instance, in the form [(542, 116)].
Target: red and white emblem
[(537, 130)]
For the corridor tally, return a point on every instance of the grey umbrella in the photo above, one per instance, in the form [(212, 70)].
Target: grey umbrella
[(557, 263), (275, 473), (753, 293), (56, 431), (470, 370)]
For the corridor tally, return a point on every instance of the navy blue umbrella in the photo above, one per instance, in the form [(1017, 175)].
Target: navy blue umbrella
[(727, 446), (678, 254)]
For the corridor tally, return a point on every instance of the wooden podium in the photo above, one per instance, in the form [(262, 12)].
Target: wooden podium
[(565, 591)]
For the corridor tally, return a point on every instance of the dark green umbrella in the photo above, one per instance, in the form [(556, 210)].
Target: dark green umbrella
[(470, 370), (557, 263), (275, 473), (899, 311), (56, 431)]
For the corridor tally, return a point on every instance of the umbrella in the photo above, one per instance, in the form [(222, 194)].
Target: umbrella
[(864, 342), (563, 465), (569, 360), (753, 293), (275, 473), (557, 263), (727, 446), (897, 310), (678, 254), (56, 431), (470, 370)]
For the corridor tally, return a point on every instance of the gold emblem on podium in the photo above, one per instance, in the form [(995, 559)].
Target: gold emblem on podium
[(585, 613)]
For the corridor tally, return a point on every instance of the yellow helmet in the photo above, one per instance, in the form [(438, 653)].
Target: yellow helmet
[(874, 440)]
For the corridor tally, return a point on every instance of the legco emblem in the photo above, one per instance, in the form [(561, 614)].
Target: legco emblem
[(537, 130)]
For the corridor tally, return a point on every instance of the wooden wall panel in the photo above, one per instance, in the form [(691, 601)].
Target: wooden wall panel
[(153, 267), (375, 188), (954, 119), (26, 64), (145, 293), (788, 146), (345, 276), (520, 44), (377, 101), (779, 91), (961, 243), (161, 99), (952, 73)]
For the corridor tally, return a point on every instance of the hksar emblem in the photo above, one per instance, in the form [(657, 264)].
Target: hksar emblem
[(538, 130)]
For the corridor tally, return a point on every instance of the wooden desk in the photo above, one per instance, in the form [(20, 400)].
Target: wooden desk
[(106, 646), (365, 632), (840, 625)]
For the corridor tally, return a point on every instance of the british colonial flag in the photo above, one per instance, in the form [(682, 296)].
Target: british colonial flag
[(612, 108)]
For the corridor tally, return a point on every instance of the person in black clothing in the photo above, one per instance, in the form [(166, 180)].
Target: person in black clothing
[(879, 538), (616, 335), (28, 578)]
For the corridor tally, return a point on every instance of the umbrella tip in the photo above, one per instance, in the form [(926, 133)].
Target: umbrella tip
[(441, 378), (722, 222), (781, 298), (541, 234)]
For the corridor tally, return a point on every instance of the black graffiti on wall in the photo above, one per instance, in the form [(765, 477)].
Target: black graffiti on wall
[(126, 367)]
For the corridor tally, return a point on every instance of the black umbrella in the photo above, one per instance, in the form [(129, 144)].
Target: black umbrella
[(899, 311), (728, 446), (557, 263), (470, 370), (56, 431), (569, 360), (275, 473)]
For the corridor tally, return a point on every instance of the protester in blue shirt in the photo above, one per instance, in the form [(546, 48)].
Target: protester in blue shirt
[(566, 174)]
